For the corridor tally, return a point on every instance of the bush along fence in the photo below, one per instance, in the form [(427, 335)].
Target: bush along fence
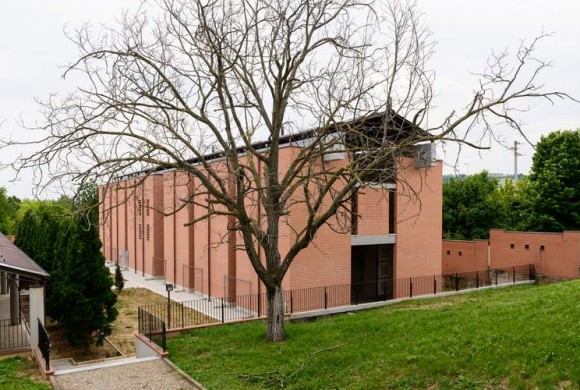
[(154, 319)]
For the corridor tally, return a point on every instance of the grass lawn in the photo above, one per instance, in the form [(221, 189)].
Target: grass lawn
[(517, 337), (20, 373)]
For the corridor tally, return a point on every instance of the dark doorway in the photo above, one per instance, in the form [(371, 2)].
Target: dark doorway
[(371, 273)]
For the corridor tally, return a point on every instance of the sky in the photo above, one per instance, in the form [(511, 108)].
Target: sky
[(34, 49)]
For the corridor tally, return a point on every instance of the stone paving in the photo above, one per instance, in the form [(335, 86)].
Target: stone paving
[(150, 373)]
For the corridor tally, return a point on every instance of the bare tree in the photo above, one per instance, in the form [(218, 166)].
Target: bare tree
[(234, 80)]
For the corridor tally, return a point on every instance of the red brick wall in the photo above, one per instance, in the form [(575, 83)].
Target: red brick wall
[(373, 211), (326, 261), (464, 256), (560, 255), (419, 216)]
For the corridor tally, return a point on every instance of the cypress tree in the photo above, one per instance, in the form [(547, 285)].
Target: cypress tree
[(86, 290), (119, 281)]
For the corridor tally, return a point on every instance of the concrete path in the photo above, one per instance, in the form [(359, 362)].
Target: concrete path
[(123, 374), (212, 308)]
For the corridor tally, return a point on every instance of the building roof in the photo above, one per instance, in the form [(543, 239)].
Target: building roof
[(374, 126), (12, 259)]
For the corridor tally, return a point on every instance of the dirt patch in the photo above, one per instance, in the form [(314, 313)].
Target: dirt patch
[(61, 349), (124, 328)]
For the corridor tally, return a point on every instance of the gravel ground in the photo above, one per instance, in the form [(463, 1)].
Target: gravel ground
[(154, 374)]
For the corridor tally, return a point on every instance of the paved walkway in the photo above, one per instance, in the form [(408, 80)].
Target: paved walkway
[(125, 374), (213, 308)]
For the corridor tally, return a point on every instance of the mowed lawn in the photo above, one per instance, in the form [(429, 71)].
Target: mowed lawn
[(20, 373), (516, 337)]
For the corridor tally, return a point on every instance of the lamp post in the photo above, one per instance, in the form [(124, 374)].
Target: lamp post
[(168, 288)]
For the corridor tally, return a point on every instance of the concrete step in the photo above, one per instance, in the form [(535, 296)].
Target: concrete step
[(112, 363)]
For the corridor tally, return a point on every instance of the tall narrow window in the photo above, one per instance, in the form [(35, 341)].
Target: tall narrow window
[(391, 211), (140, 231), (354, 213), (147, 207), (148, 232)]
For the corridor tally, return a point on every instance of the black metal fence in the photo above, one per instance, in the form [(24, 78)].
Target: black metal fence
[(152, 327), (44, 344), (213, 310), (13, 335)]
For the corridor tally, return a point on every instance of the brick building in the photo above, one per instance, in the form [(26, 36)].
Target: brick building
[(146, 226)]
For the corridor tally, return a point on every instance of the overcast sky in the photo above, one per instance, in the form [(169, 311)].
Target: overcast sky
[(33, 49)]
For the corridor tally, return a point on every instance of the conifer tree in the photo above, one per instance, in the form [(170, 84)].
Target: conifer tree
[(119, 281), (86, 288)]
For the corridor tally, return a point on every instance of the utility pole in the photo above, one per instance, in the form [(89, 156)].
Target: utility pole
[(516, 154)]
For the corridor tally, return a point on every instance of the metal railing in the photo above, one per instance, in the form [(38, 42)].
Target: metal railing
[(44, 344), (13, 335), (152, 327), (213, 310), (192, 278)]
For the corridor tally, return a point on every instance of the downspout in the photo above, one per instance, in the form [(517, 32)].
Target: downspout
[(142, 207), (232, 292), (110, 219), (175, 227), (135, 224), (208, 245), (259, 224), (191, 215), (126, 224), (117, 221)]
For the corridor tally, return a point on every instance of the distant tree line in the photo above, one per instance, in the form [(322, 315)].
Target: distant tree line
[(548, 199), (63, 238)]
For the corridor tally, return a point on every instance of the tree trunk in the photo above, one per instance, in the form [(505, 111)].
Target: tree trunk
[(275, 327)]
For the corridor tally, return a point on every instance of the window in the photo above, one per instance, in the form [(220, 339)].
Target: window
[(512, 246), (139, 208), (527, 247), (542, 247), (148, 232), (460, 253), (140, 232), (448, 252), (147, 206)]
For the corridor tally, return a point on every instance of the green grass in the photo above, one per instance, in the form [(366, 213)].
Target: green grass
[(18, 373), (518, 338)]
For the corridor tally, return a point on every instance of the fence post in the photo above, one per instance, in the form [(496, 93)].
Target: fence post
[(164, 338), (291, 302), (434, 284), (325, 298), (356, 296), (259, 304), (182, 317), (151, 330), (410, 288), (456, 282), (476, 279), (223, 312), (514, 274), (496, 276)]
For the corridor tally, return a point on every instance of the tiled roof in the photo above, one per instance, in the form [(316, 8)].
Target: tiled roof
[(14, 260)]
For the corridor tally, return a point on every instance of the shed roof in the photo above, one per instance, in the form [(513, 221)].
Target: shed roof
[(12, 259)]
